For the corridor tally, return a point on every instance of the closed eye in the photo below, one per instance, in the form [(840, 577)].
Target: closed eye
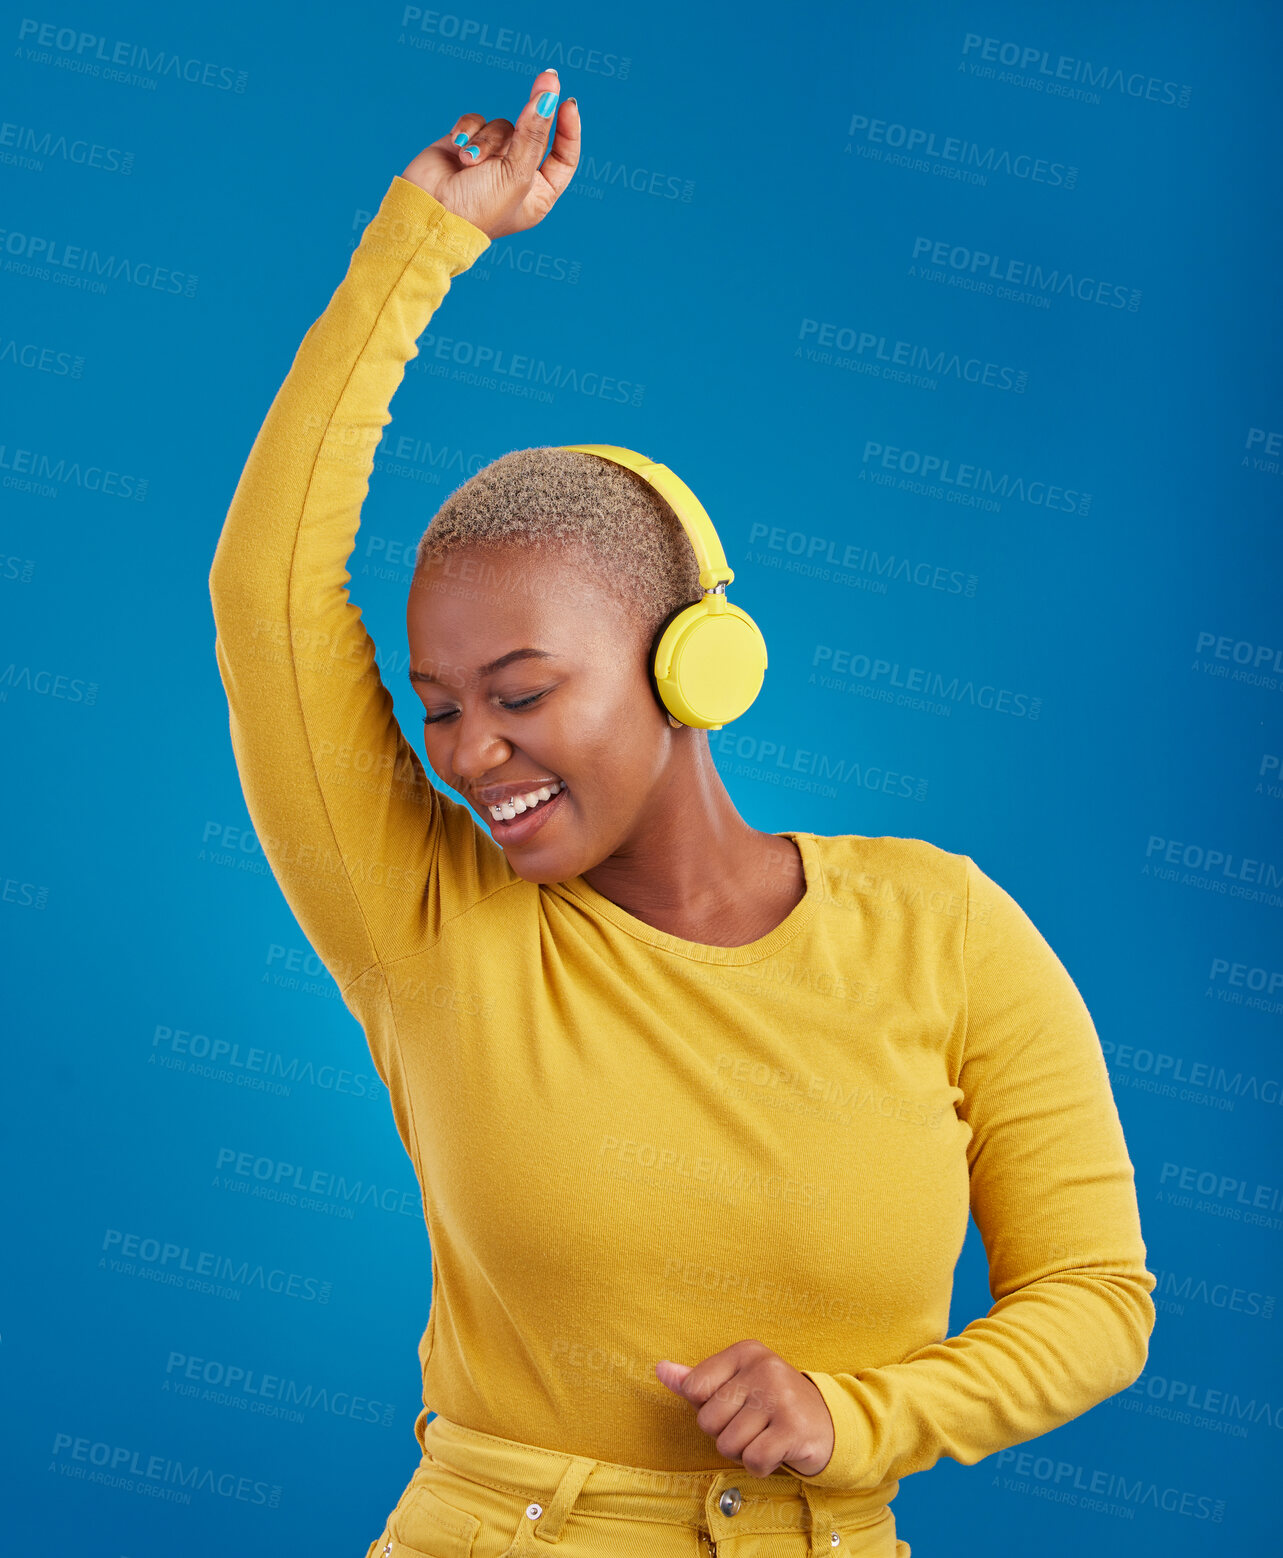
[(521, 703)]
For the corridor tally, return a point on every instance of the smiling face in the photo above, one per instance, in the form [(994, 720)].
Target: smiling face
[(530, 672)]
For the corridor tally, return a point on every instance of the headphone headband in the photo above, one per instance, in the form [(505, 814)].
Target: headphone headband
[(713, 567)]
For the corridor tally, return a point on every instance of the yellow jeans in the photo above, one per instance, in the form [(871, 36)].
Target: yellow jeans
[(478, 1496)]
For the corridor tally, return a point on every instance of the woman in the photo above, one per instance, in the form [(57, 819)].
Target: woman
[(698, 1111)]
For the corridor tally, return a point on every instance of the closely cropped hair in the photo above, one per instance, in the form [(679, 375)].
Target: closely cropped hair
[(635, 545)]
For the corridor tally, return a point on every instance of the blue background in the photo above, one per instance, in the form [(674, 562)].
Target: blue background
[(723, 202)]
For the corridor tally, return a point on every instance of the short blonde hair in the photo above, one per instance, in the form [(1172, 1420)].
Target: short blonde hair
[(632, 543)]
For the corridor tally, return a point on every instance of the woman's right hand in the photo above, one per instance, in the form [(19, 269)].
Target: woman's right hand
[(502, 189)]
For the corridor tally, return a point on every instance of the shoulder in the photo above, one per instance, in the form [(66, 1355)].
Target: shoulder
[(891, 874)]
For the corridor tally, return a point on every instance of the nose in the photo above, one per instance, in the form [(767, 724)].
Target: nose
[(479, 745)]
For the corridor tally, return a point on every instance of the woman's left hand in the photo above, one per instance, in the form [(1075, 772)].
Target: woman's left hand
[(761, 1410)]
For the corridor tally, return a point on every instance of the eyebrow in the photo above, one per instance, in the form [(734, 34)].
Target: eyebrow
[(494, 665)]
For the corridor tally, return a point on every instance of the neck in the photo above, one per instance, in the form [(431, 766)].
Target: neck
[(690, 853)]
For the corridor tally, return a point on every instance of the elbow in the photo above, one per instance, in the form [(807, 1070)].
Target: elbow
[(242, 597), (220, 581), (1136, 1313), (1146, 1315), (228, 577), (228, 613)]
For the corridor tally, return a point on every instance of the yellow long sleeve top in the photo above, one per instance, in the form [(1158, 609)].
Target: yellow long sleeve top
[(632, 1146)]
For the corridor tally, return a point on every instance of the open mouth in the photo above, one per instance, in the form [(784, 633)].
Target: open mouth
[(509, 825)]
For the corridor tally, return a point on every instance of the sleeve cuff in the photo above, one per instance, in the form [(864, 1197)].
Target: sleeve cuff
[(848, 1466), (409, 219)]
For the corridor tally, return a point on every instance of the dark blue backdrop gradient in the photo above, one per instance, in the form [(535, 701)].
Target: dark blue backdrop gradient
[(1076, 681)]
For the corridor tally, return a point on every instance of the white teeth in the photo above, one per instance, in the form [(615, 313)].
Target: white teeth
[(507, 810)]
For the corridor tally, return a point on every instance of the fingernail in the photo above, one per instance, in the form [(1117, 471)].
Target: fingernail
[(472, 151), (547, 102), (461, 138)]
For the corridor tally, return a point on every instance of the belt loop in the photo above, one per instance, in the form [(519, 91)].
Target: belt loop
[(548, 1526), (821, 1520)]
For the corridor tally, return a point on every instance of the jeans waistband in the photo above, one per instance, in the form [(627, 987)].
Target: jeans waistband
[(724, 1503)]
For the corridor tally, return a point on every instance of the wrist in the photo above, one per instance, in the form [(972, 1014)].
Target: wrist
[(411, 218)]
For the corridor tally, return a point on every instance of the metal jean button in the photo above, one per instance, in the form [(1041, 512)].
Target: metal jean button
[(729, 1503)]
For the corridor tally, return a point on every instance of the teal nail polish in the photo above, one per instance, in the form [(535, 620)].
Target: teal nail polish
[(461, 138), (472, 151), (547, 102)]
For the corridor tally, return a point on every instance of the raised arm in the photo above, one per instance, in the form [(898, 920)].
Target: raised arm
[(370, 856), (1053, 1194)]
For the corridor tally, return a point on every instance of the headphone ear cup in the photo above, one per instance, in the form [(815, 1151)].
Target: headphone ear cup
[(650, 654), (710, 664)]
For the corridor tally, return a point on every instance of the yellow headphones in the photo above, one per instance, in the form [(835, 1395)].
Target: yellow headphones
[(708, 659)]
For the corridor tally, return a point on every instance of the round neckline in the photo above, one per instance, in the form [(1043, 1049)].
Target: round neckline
[(699, 951)]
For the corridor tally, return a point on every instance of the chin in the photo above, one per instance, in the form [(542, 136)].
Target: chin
[(539, 875)]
